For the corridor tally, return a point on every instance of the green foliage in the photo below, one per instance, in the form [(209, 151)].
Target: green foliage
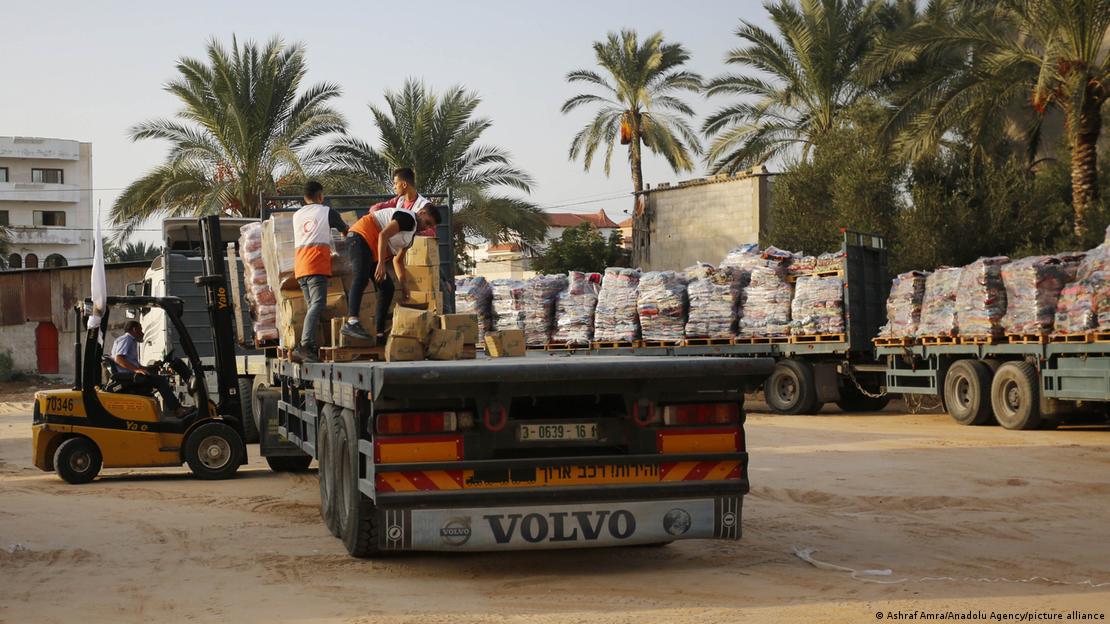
[(580, 248), (127, 252), (243, 128), (7, 366)]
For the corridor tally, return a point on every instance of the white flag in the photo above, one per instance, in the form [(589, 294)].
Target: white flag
[(99, 280)]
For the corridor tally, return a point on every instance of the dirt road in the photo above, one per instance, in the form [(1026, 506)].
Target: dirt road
[(964, 519)]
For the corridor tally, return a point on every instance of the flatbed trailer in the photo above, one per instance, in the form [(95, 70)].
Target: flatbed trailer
[(1019, 386), (520, 453)]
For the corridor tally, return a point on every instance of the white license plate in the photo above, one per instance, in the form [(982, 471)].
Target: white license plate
[(557, 432)]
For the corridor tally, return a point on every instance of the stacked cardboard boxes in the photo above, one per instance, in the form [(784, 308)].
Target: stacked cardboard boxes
[(291, 308), (467, 327), (419, 334), (421, 283)]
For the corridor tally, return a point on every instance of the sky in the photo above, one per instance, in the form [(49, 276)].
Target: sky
[(91, 70)]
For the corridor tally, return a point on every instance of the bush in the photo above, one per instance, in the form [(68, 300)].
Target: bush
[(7, 366)]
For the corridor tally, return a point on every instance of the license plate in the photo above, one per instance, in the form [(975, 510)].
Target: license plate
[(557, 432)]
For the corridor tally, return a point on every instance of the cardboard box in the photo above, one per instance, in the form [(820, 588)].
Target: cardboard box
[(349, 217), (469, 352), (411, 323), (445, 344), (421, 278), (340, 340), (424, 300), (505, 343), (403, 349), (466, 323), (424, 252)]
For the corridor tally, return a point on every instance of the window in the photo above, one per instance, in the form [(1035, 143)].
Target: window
[(32, 261), (55, 261), (15, 262), (4, 218), (3, 174), (47, 176), (49, 218)]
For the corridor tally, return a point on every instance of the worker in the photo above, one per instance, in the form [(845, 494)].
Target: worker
[(386, 232), (312, 262), (134, 377)]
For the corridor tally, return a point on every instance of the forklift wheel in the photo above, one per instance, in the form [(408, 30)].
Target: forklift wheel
[(77, 460), (213, 451)]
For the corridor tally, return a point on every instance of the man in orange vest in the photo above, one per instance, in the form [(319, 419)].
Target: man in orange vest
[(312, 262), (386, 232)]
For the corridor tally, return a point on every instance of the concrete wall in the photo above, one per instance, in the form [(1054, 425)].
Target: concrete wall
[(20, 341), (700, 220)]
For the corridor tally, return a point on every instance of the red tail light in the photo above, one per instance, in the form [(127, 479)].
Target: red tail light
[(422, 422), (702, 414)]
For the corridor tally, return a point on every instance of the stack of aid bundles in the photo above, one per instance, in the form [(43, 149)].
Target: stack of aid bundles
[(661, 304), (291, 309), (459, 329), (616, 318), (766, 303), (574, 309), (818, 306), (714, 296), (938, 308), (260, 297), (508, 304), (903, 306), (539, 307), (474, 295), (1033, 287), (421, 282), (419, 334), (981, 297)]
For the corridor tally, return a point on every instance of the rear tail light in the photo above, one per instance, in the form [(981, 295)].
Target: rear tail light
[(701, 414), (394, 423)]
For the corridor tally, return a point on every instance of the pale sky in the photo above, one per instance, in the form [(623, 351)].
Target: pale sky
[(90, 70)]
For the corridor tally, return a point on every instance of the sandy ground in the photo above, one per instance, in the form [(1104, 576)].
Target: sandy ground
[(965, 519)]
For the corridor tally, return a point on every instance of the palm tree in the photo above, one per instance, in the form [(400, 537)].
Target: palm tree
[(811, 67), (437, 135), (1040, 55), (639, 105), (127, 252), (242, 127)]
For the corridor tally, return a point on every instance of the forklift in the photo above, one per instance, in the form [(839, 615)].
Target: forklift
[(98, 423)]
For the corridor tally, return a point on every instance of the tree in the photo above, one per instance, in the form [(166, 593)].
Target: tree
[(812, 64), (580, 248), (242, 132), (437, 136), (1037, 54), (127, 252)]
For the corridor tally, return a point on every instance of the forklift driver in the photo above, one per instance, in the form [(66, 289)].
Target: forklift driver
[(134, 377)]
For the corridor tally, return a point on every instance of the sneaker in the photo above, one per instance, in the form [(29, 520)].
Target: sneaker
[(305, 354), (355, 330)]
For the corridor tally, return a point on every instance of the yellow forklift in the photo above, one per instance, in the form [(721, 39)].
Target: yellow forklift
[(98, 423)]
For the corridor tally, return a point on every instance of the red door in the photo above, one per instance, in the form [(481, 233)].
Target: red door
[(46, 345)]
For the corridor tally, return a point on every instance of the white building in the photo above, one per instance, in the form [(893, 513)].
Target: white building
[(514, 260), (46, 201)]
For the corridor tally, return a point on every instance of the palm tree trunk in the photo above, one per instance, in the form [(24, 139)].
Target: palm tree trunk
[(1084, 165), (640, 238)]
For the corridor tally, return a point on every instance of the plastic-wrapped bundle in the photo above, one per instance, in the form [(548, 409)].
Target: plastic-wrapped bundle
[(508, 304), (766, 304), (1075, 310), (539, 307), (661, 305), (260, 297), (938, 308), (714, 295), (831, 261), (745, 258), (802, 265), (473, 295), (574, 309), (616, 318), (1097, 259), (774, 254), (903, 306), (1033, 287), (981, 297), (818, 306)]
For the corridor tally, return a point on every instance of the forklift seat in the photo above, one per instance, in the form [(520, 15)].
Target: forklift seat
[(116, 385)]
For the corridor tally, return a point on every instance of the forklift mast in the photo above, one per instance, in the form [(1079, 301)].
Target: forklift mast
[(222, 314)]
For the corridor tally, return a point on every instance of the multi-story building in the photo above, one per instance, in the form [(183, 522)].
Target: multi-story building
[(46, 201)]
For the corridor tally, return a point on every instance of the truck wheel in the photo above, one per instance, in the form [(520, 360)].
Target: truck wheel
[(246, 408), (791, 388), (77, 460), (357, 524), (261, 384), (1015, 396), (967, 395), (325, 439), (214, 451), (294, 463), (852, 400)]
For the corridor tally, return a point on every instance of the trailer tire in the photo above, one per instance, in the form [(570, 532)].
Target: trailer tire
[(358, 515), (259, 384), (325, 439), (967, 392), (792, 388), (1015, 396), (77, 460), (246, 410)]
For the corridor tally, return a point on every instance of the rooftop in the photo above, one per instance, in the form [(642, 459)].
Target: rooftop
[(600, 220)]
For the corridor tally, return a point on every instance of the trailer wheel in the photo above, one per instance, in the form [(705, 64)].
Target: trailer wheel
[(1015, 396), (325, 438), (791, 388), (259, 385), (246, 409), (967, 392), (214, 451), (357, 525), (77, 460)]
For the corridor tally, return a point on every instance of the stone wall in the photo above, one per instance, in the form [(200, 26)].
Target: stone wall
[(701, 220)]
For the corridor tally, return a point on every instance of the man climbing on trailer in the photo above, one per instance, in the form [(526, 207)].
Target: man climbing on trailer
[(312, 262), (387, 231), (136, 378)]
